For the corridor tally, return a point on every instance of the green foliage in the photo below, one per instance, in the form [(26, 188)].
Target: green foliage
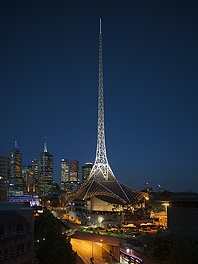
[(175, 250), (161, 248), (134, 242), (148, 241), (183, 251), (44, 223), (53, 247)]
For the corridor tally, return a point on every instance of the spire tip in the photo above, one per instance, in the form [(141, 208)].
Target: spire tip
[(45, 144), (100, 26)]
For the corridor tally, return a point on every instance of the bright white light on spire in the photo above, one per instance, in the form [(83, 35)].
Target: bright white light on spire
[(100, 26)]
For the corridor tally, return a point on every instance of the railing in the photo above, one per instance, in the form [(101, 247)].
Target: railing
[(4, 257), (15, 254), (130, 257), (15, 234)]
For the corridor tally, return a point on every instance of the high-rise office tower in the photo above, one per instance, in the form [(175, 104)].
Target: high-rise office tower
[(29, 179), (74, 171), (4, 175), (86, 169), (74, 174), (16, 180), (35, 170), (46, 171), (65, 175)]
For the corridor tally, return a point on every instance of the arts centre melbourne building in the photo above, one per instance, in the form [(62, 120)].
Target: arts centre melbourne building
[(102, 192)]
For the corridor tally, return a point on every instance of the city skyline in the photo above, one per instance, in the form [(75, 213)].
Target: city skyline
[(49, 80)]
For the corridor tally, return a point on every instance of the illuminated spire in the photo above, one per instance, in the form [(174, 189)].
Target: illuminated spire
[(101, 181), (45, 144), (16, 145), (101, 169)]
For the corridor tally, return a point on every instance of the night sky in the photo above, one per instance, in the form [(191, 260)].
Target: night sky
[(49, 83)]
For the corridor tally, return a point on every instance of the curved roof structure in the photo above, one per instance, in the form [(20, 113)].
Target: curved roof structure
[(107, 190)]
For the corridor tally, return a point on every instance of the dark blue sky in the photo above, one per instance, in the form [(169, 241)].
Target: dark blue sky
[(49, 82)]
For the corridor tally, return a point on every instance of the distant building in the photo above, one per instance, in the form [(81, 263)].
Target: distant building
[(182, 216), (65, 175), (35, 170), (46, 172), (74, 174), (86, 171), (16, 179), (28, 199), (4, 175), (29, 178), (16, 233)]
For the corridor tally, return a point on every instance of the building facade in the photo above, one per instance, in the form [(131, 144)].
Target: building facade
[(182, 216), (29, 179), (65, 175), (86, 169), (17, 233), (35, 170), (4, 176), (46, 172), (74, 174), (16, 181)]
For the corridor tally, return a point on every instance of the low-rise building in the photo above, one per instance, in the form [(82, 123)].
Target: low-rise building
[(16, 233), (183, 216)]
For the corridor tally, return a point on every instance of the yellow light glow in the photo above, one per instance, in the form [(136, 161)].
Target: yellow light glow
[(165, 204)]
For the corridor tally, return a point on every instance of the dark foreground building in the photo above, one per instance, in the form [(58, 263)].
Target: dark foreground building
[(16, 233), (182, 216)]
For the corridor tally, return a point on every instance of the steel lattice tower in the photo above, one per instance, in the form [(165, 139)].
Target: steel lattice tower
[(101, 169), (101, 182)]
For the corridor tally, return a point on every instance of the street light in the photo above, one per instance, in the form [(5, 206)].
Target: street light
[(166, 205)]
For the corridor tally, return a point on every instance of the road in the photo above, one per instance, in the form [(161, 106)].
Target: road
[(87, 249)]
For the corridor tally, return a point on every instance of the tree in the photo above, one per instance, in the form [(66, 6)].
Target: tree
[(161, 248), (175, 250), (183, 251), (53, 247)]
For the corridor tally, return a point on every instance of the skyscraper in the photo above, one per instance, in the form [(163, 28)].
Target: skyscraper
[(16, 179), (29, 177), (65, 175), (46, 171), (4, 175), (74, 174), (86, 169), (35, 170)]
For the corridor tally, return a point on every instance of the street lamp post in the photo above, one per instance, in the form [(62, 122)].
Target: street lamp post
[(110, 255), (92, 250), (92, 257)]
